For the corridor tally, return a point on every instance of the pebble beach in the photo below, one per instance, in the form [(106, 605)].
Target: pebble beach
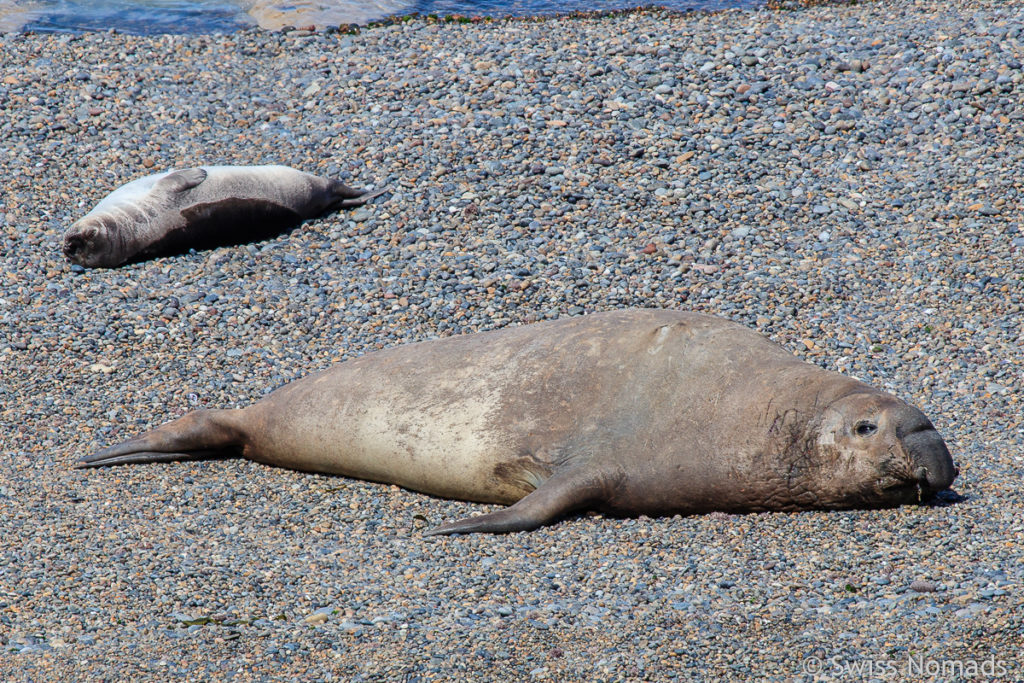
[(845, 179)]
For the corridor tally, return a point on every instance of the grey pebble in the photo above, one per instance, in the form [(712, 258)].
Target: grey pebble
[(360, 214)]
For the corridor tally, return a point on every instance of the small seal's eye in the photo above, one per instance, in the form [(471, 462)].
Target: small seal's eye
[(865, 428)]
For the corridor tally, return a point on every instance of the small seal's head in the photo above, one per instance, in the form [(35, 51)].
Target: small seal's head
[(880, 452), (86, 244)]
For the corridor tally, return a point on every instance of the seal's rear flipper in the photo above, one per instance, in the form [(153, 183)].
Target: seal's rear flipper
[(100, 459), (562, 493), (200, 435), (349, 197)]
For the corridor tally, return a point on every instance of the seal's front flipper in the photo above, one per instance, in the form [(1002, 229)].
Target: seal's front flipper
[(179, 181), (200, 435), (562, 493)]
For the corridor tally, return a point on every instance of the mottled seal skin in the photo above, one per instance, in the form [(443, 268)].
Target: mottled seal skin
[(631, 412), (201, 208)]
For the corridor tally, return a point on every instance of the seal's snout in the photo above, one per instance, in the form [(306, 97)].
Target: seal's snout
[(79, 252), (933, 465), (73, 245), (76, 249), (79, 243)]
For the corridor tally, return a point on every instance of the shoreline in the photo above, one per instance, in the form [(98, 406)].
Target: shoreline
[(845, 180), (292, 24)]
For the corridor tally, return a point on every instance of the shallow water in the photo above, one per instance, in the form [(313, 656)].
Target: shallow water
[(208, 16)]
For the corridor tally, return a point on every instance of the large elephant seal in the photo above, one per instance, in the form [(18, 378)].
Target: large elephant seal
[(632, 412), (201, 208)]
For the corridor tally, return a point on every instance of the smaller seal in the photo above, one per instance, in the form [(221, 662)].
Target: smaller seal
[(202, 208)]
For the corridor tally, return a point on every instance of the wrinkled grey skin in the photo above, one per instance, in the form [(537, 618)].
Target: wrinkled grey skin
[(200, 208), (631, 412)]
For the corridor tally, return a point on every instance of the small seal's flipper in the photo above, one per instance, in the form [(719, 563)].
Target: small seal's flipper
[(562, 493), (200, 435), (349, 197), (179, 181)]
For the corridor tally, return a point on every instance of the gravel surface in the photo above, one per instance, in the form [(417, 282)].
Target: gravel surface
[(846, 180)]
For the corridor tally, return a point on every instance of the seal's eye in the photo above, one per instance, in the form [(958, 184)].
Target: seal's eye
[(865, 429)]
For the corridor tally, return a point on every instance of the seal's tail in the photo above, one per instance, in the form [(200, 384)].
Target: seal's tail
[(348, 197), (200, 435)]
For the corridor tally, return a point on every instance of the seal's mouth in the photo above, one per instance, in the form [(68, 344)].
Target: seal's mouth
[(913, 487), (901, 490), (924, 492)]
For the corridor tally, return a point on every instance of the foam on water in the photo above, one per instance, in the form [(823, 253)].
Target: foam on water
[(273, 14)]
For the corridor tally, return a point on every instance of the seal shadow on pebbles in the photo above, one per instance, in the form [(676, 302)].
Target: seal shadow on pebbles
[(630, 412), (202, 208)]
